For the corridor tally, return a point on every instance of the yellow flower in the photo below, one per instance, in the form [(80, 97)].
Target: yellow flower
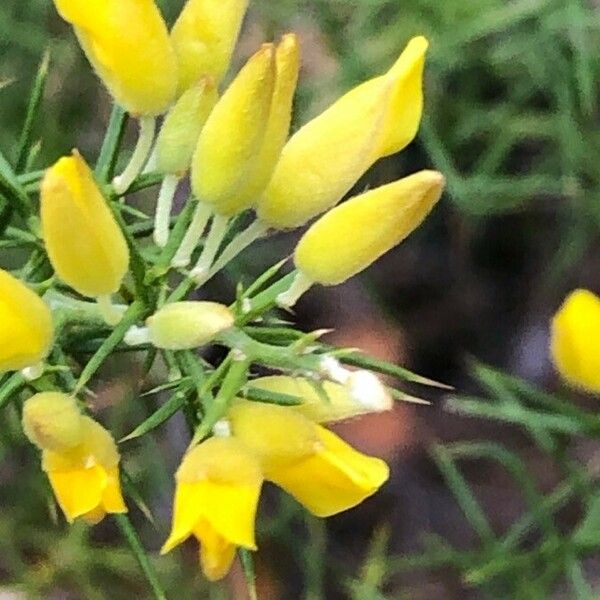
[(182, 126), (575, 342), (204, 37), (309, 462), (362, 393), (187, 325), (79, 456), (353, 235), (85, 244), (242, 139), (216, 496), (326, 157), (127, 43), (25, 325)]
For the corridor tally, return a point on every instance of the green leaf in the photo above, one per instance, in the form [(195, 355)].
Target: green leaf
[(10, 387), (109, 152), (588, 532), (12, 190), (33, 109), (268, 397), (164, 413)]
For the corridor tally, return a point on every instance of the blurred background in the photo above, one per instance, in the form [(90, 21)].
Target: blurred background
[(511, 120)]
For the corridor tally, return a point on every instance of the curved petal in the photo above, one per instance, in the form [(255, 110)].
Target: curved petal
[(332, 480), (112, 497), (216, 553), (186, 514)]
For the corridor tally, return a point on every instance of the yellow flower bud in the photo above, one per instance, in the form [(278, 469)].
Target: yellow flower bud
[(127, 42), (204, 37), (324, 402), (218, 485), (25, 325), (182, 126), (575, 342), (85, 477), (309, 462), (84, 242), (187, 325), (52, 421), (353, 235), (326, 157), (226, 156)]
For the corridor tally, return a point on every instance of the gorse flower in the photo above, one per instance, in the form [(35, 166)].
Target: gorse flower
[(84, 242), (204, 37), (127, 43), (25, 325), (79, 456), (219, 481), (575, 335)]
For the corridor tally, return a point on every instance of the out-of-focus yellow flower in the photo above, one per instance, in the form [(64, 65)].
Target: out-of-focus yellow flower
[(326, 157), (575, 342), (218, 486), (187, 325), (204, 37), (84, 242), (127, 42), (351, 236), (363, 393), (79, 456), (243, 137), (25, 325), (309, 462), (182, 126)]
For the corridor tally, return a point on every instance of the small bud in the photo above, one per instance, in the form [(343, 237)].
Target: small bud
[(182, 126), (187, 325), (575, 342), (226, 155), (25, 325), (52, 421), (361, 393), (127, 42), (84, 242), (204, 37), (325, 158), (351, 236)]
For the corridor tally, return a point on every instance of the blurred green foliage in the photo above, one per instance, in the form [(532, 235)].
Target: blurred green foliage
[(512, 121)]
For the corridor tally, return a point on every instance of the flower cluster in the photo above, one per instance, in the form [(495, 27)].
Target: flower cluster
[(109, 287)]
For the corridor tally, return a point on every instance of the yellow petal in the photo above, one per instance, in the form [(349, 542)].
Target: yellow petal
[(128, 44), (287, 60), (112, 497), (216, 553), (226, 155), (333, 479), (276, 435), (219, 483), (204, 37), (94, 516), (353, 235), (79, 491), (575, 342), (182, 126), (327, 401), (85, 245), (25, 325), (187, 325), (52, 421), (325, 158)]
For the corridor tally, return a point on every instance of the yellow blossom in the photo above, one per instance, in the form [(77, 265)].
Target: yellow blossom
[(25, 325), (575, 342), (127, 42), (309, 462), (327, 401), (84, 242), (216, 496), (204, 37), (243, 137), (187, 325), (326, 157), (79, 456), (351, 236), (181, 128)]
